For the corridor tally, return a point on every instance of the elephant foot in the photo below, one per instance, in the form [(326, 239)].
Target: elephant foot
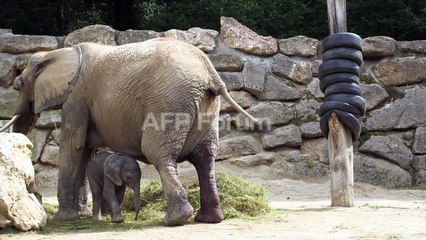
[(213, 215), (85, 211), (117, 218), (177, 214), (66, 214)]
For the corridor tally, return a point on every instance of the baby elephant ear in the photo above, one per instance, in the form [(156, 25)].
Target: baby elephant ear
[(54, 75), (112, 170)]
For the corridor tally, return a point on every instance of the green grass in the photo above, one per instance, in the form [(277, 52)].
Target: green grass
[(239, 199)]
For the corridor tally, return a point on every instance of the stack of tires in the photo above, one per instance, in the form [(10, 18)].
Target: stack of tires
[(339, 81)]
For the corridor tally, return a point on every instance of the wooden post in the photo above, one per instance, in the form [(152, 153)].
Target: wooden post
[(340, 149)]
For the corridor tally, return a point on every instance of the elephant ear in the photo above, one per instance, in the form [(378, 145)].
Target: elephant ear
[(54, 74), (112, 170)]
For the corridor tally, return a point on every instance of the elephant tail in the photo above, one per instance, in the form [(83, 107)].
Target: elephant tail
[(222, 91)]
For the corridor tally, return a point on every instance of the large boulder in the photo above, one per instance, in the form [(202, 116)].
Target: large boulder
[(288, 135), (7, 69), (237, 36), (11, 43), (378, 46), (243, 98), (374, 94), (400, 71), (391, 148), (131, 36), (18, 205), (407, 112), (226, 62), (296, 70), (101, 34), (278, 89), (8, 99), (238, 146), (204, 39), (419, 145), (233, 80), (380, 172), (298, 46), (418, 46)]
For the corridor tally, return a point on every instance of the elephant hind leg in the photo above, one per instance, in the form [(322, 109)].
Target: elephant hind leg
[(203, 158), (162, 150)]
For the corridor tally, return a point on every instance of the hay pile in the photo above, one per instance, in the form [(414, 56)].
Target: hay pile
[(238, 198)]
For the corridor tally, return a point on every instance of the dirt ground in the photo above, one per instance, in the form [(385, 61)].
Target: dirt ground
[(304, 212)]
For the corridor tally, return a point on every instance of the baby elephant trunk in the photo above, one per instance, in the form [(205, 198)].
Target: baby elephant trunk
[(137, 199)]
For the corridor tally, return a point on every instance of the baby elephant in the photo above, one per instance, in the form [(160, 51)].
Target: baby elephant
[(108, 175)]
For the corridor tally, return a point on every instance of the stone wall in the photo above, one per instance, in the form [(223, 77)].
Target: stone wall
[(275, 79)]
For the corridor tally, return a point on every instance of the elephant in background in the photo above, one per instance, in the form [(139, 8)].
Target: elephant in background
[(156, 100), (108, 175)]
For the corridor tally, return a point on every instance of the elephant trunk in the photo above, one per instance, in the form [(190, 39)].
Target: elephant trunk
[(137, 199)]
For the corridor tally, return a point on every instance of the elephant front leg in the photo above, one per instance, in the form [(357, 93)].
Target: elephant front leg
[(109, 194), (203, 160), (72, 165)]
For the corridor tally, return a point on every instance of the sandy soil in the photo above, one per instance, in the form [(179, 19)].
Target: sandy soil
[(304, 212)]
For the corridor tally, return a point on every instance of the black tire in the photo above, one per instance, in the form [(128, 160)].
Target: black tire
[(343, 53), (338, 66), (350, 121), (343, 39), (353, 100), (348, 88), (337, 78), (337, 105)]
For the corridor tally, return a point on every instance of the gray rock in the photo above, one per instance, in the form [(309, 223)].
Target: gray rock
[(5, 31), (419, 162), (408, 112), (8, 99), (305, 111), (39, 138), (378, 46), (46, 176), (315, 64), (263, 158), (400, 71), (277, 89), (391, 148), (288, 135), (254, 77), (298, 46), (302, 168), (297, 71), (233, 80), (11, 43), (101, 34), (243, 98), (56, 136), (238, 146), (274, 113), (132, 36), (19, 207), (49, 119), (22, 60), (204, 39), (379, 172), (7, 69), (419, 145), (418, 46), (374, 94), (50, 155), (290, 155), (421, 177), (314, 88), (225, 124), (311, 130), (315, 149), (239, 37), (226, 62)]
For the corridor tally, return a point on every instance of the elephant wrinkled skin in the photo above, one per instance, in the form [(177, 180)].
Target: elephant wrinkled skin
[(156, 100)]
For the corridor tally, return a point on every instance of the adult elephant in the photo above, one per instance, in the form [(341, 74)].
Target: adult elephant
[(156, 100)]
